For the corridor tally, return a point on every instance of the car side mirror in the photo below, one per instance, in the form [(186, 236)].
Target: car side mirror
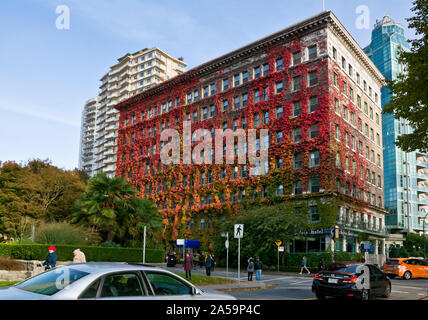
[(195, 291)]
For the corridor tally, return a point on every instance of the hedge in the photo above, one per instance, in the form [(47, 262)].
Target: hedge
[(92, 253)]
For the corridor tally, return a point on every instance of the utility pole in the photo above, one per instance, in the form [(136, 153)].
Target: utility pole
[(144, 246)]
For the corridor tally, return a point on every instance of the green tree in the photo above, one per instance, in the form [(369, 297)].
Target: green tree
[(409, 91), (110, 205), (262, 227), (33, 192)]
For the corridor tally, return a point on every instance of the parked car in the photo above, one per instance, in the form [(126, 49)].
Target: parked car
[(107, 281), (406, 268), (351, 279)]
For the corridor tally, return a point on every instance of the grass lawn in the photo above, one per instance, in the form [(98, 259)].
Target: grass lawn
[(201, 280), (7, 283)]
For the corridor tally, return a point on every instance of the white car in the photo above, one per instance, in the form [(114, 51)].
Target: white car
[(107, 281)]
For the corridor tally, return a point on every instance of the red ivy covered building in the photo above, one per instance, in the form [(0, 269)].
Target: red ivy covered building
[(316, 92)]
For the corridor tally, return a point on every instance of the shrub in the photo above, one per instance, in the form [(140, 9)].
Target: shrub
[(92, 253), (110, 244), (65, 233), (11, 265)]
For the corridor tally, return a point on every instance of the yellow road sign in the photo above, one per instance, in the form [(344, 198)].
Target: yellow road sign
[(278, 242)]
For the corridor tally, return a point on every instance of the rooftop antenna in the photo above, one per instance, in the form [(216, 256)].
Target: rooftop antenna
[(323, 5)]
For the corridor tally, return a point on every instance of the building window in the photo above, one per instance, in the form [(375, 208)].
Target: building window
[(296, 58), (265, 69), (335, 79), (225, 105), (279, 64), (278, 87), (257, 72), (314, 159), (297, 109), (297, 160), (312, 78), (225, 84), (244, 99), (314, 184), (297, 187), (313, 211), (244, 76), (313, 104), (297, 134), (256, 95), (280, 190), (256, 120), (279, 112), (312, 50), (334, 53), (296, 83), (313, 131), (237, 80)]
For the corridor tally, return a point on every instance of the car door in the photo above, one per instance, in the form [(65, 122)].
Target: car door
[(166, 286), (419, 267), (377, 280), (122, 286), (424, 268)]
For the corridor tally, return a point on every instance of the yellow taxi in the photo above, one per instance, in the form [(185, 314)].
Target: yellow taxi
[(406, 268)]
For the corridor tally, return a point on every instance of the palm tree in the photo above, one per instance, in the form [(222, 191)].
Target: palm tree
[(110, 205)]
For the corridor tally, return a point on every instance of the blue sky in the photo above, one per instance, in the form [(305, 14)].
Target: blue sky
[(47, 74)]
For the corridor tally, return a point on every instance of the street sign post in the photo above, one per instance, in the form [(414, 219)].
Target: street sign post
[(278, 243), (239, 233)]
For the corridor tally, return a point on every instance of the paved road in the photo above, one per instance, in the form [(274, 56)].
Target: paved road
[(293, 288), (300, 288)]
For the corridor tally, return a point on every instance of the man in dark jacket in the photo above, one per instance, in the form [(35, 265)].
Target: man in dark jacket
[(51, 258), (188, 265), (208, 264)]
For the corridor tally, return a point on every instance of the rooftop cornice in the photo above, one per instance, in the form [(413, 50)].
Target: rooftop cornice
[(324, 19)]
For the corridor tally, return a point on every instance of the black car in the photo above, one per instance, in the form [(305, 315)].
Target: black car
[(358, 280)]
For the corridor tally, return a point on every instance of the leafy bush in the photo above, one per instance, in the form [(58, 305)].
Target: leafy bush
[(65, 233), (40, 251), (110, 244), (11, 265)]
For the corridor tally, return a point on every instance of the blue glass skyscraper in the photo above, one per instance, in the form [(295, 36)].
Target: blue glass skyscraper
[(405, 173)]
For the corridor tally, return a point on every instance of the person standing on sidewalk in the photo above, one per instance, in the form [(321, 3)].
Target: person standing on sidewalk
[(250, 269), (208, 264), (79, 256), (303, 266), (258, 266), (321, 265), (188, 265)]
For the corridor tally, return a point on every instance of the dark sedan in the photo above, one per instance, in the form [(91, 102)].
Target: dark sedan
[(358, 280)]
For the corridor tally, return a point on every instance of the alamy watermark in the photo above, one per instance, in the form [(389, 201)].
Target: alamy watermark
[(63, 20), (204, 152)]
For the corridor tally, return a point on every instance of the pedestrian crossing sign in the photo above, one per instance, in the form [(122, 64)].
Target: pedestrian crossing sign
[(239, 231)]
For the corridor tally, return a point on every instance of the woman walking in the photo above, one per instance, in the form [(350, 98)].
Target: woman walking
[(188, 265)]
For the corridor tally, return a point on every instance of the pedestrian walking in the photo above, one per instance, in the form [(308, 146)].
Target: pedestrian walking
[(250, 269), (303, 266), (188, 265), (208, 264), (321, 265), (51, 258), (258, 266), (79, 256)]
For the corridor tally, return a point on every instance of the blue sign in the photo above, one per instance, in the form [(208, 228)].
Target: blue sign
[(189, 244)]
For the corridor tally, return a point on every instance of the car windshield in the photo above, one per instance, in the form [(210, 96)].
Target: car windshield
[(343, 268), (51, 282), (392, 262)]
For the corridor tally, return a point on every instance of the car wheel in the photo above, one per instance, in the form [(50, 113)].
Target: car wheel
[(320, 296), (365, 294), (407, 275), (387, 292)]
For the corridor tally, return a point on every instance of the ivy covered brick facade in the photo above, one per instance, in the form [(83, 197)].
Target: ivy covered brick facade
[(315, 91)]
